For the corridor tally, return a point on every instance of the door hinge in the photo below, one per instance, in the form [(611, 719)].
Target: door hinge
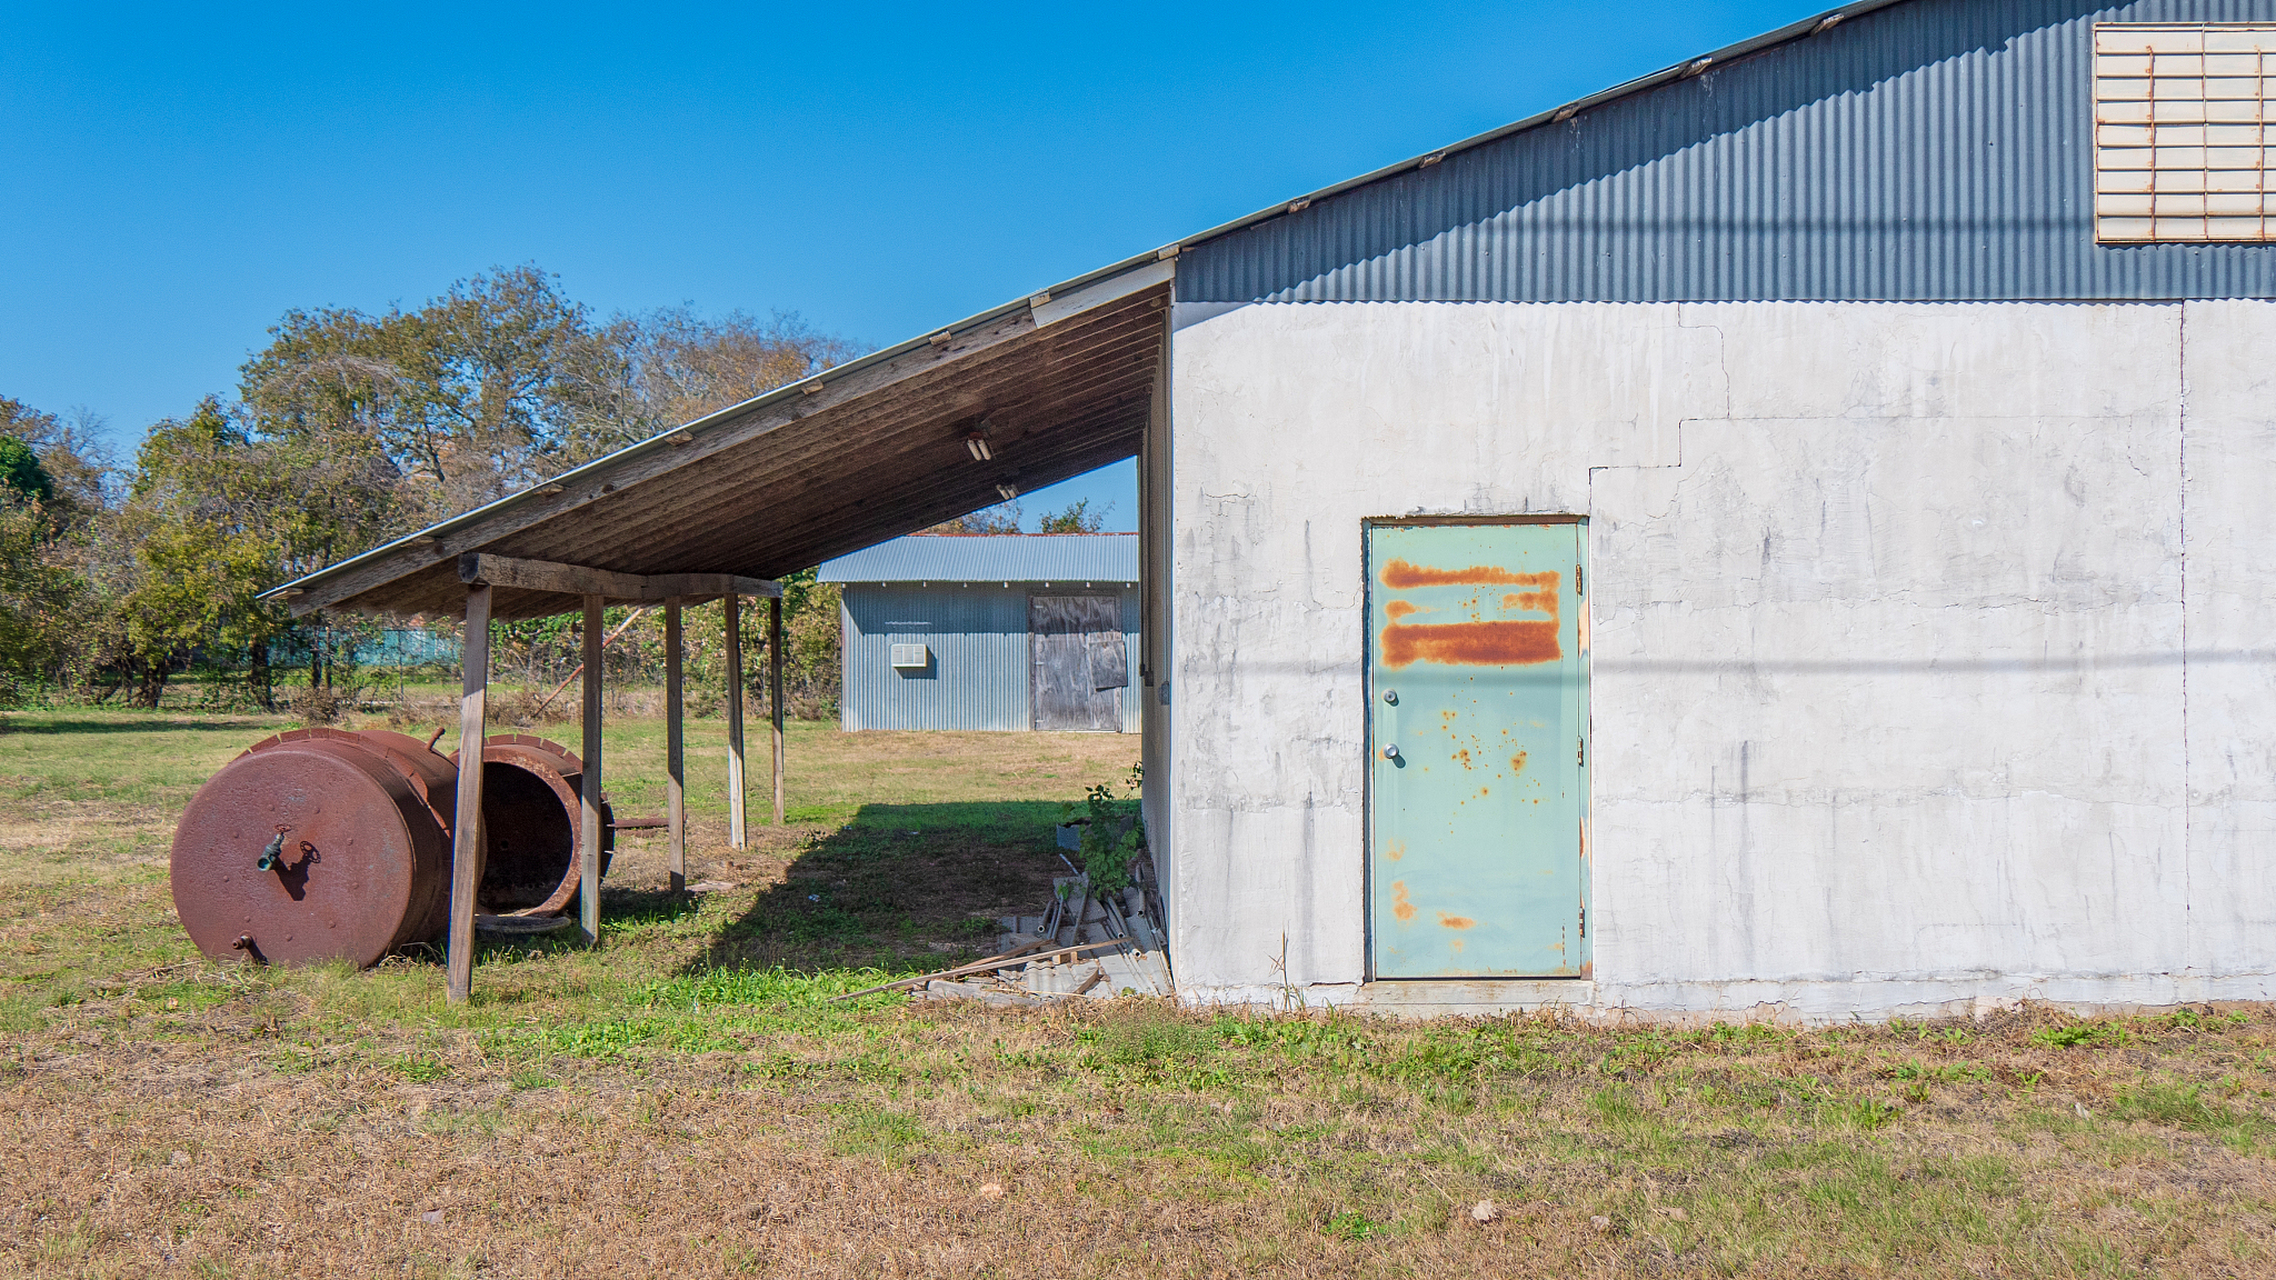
[(1580, 581), (1584, 921), (1580, 754)]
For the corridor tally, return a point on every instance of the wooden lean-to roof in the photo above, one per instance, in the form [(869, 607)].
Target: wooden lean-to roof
[(1060, 384)]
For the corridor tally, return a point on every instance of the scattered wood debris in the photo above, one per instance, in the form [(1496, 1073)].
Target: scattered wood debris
[(1083, 945)]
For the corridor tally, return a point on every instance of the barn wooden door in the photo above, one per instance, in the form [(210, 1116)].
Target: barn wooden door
[(1078, 664)]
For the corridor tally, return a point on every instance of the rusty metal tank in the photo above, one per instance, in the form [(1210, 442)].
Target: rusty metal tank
[(531, 819), (318, 844), (326, 844)]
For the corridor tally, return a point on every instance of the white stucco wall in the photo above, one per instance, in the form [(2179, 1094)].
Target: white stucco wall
[(1890, 608)]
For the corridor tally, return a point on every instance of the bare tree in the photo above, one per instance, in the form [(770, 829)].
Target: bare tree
[(673, 366)]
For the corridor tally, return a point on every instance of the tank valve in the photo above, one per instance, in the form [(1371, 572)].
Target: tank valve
[(273, 856)]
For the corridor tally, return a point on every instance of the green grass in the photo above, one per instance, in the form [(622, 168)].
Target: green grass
[(688, 1097)]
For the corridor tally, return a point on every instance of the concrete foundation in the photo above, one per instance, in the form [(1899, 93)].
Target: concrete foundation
[(1934, 644)]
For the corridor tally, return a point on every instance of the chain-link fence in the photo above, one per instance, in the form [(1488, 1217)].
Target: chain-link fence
[(323, 668)]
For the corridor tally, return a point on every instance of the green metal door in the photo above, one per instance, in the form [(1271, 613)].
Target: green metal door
[(1477, 665)]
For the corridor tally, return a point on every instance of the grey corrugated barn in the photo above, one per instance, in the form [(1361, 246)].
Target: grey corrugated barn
[(1017, 631)]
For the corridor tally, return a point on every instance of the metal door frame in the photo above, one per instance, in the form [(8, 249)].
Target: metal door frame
[(1367, 527)]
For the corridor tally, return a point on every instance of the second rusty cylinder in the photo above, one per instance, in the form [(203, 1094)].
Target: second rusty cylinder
[(532, 821)]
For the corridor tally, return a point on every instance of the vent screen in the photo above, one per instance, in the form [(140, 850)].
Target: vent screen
[(2182, 133)]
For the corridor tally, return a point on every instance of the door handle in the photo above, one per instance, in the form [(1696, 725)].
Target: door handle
[(1391, 751)]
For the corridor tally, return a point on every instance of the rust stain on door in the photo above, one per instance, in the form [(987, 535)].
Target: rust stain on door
[(1401, 575), (1502, 642), (1471, 644)]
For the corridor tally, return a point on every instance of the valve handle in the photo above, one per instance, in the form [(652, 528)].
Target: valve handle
[(273, 856)]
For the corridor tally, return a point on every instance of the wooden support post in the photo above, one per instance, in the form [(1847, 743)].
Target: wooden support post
[(736, 836), (774, 693), (466, 823), (589, 834), (675, 748)]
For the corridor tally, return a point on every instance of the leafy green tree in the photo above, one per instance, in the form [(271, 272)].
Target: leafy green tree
[(502, 381), (21, 473), (38, 593), (50, 489), (1077, 518), (218, 512), (351, 428), (200, 558), (470, 397), (811, 633), (1000, 519), (69, 453)]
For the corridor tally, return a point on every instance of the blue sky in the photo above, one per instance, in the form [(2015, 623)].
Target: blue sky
[(178, 177)]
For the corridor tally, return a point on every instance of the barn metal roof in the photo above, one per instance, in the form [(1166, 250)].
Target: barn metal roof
[(1939, 150), (1020, 557)]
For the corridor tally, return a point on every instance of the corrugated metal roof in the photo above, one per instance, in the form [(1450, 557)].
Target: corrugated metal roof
[(1027, 557), (1927, 150)]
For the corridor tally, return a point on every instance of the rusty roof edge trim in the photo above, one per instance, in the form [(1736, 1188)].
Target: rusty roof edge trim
[(788, 393), (1787, 34)]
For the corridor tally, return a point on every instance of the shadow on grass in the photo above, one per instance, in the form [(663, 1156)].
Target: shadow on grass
[(905, 888), (900, 887), (621, 909), (152, 723)]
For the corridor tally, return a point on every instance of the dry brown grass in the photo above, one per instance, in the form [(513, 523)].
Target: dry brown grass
[(1132, 1140), (668, 1106)]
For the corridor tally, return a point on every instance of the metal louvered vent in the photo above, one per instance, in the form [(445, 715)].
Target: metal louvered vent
[(2184, 132)]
